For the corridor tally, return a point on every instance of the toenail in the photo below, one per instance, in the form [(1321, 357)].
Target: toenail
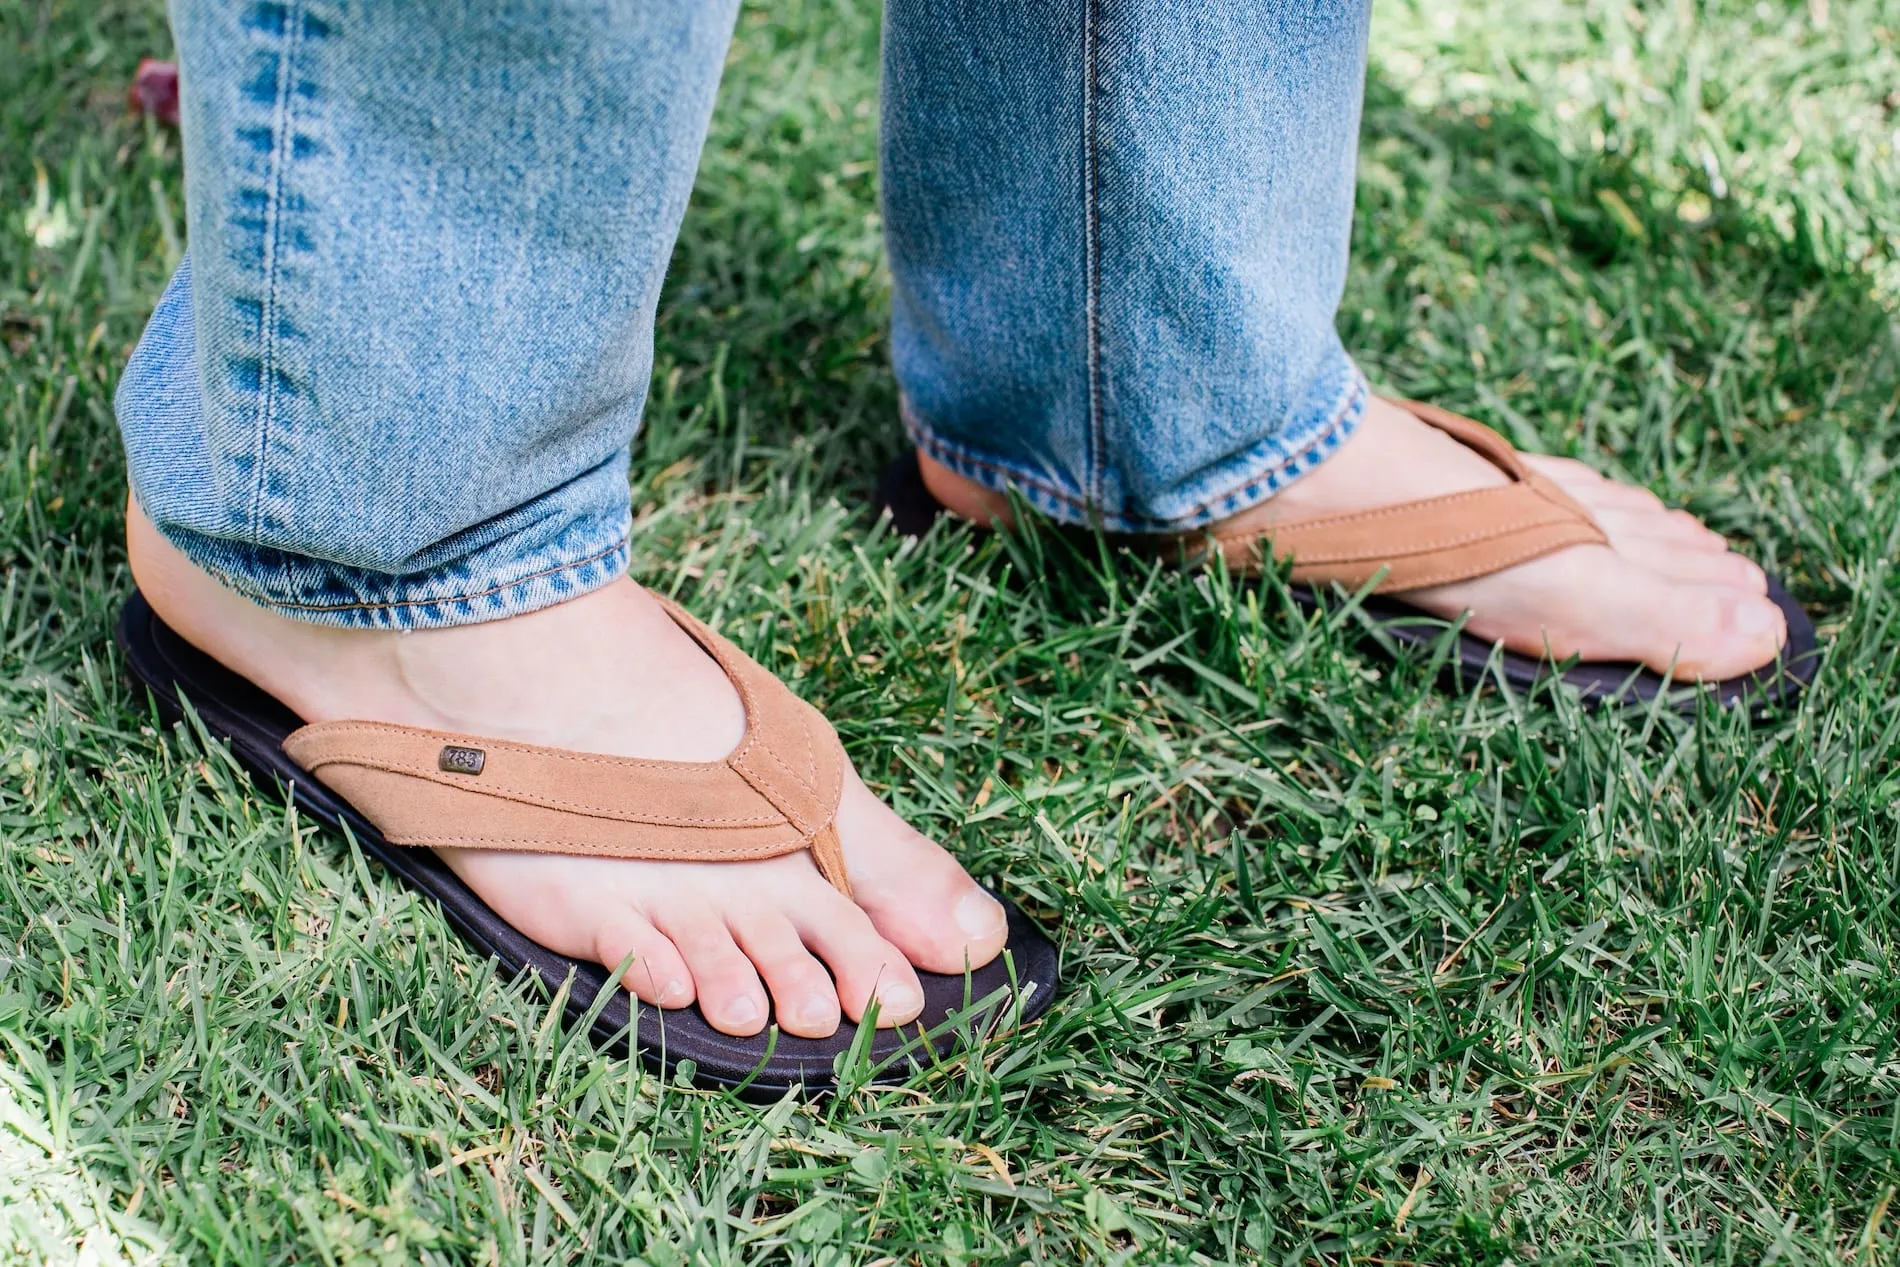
[(815, 1011), (673, 994), (743, 1010), (979, 914), (1754, 620), (898, 999)]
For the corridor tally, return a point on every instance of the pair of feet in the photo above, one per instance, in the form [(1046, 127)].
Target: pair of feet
[(610, 672)]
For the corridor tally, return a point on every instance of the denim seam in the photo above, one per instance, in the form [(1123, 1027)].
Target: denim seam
[(1056, 500), (497, 588), (1095, 475), (282, 121)]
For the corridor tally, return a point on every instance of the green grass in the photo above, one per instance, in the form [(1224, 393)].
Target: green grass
[(1358, 970)]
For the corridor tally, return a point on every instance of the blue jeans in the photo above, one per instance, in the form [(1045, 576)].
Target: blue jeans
[(397, 381)]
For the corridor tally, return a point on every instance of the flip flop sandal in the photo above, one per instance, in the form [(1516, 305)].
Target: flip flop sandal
[(1435, 541), (399, 789)]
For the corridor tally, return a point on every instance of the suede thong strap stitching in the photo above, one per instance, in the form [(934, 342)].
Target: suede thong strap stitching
[(622, 788), (1419, 527), (427, 787), (808, 805), (1435, 540)]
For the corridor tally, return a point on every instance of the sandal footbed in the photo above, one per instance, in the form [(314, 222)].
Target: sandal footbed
[(958, 1009)]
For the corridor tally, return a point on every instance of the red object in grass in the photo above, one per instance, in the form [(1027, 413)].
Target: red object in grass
[(154, 90)]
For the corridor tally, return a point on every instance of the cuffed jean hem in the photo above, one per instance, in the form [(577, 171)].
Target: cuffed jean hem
[(585, 557), (1325, 421)]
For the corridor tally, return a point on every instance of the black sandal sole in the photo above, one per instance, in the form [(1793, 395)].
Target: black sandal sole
[(959, 1011), (902, 495)]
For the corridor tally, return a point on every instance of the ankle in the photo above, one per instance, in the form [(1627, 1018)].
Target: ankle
[(288, 658), (963, 496)]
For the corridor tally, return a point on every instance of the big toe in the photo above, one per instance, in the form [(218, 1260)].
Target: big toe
[(1750, 632), (1706, 633), (918, 897), (1594, 602)]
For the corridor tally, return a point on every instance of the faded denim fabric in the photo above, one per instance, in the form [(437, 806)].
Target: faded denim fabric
[(1118, 233), (397, 382)]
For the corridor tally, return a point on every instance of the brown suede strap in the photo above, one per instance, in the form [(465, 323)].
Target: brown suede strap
[(776, 793), (1433, 541)]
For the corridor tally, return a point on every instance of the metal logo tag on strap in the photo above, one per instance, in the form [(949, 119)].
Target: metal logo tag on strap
[(458, 760)]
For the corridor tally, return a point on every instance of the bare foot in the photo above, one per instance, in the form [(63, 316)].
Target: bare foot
[(610, 672), (1665, 592)]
